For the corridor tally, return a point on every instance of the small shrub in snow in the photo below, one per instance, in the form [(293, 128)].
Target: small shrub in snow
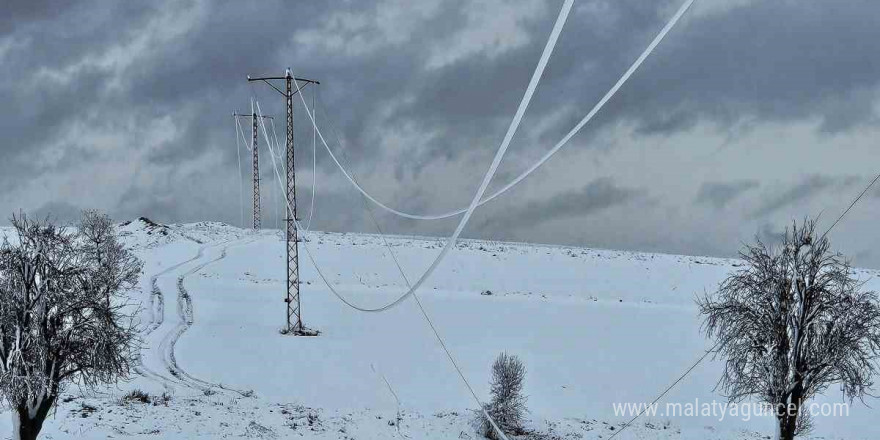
[(162, 400), (508, 405), (137, 396)]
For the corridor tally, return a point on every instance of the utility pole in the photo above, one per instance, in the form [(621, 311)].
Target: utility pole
[(294, 312), (256, 157)]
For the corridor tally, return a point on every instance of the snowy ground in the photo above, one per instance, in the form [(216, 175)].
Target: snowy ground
[(594, 327)]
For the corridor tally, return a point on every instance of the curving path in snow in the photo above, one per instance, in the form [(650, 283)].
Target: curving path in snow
[(157, 318), (156, 360), (185, 319)]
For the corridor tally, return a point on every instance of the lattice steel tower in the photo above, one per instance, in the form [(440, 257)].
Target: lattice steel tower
[(256, 158), (294, 310), (256, 168)]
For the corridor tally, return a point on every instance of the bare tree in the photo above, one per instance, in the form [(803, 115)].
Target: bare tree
[(113, 266), (61, 316), (508, 404), (792, 322)]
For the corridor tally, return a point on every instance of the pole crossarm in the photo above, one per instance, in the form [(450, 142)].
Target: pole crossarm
[(251, 116), (266, 80)]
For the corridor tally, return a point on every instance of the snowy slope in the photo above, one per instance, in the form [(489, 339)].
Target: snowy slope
[(594, 327)]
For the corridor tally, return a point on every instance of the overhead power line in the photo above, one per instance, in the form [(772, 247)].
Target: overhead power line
[(240, 184), (514, 125), (620, 82), (851, 205), (294, 306), (668, 389), (711, 350), (598, 106), (314, 161), (517, 119)]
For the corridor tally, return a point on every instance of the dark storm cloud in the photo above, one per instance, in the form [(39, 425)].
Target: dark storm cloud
[(770, 235), (59, 211), (596, 196), (23, 12), (801, 191), (780, 60), (163, 78), (719, 194), (767, 48)]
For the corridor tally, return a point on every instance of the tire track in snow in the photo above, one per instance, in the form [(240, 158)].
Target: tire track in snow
[(157, 317), (186, 320)]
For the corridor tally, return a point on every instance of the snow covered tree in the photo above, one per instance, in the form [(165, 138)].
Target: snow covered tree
[(792, 322), (61, 318), (114, 267), (508, 405)]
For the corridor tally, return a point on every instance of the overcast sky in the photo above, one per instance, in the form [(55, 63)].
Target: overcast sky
[(749, 115)]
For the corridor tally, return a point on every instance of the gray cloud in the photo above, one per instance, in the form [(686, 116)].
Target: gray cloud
[(719, 194), (58, 211), (126, 107), (803, 190), (594, 197), (770, 235)]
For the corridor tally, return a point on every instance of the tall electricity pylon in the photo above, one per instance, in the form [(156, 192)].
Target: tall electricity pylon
[(294, 311), (256, 156)]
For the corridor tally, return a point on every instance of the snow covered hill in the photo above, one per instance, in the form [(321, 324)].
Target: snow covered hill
[(593, 327)]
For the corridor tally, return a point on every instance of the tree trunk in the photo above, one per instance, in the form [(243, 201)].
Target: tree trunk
[(29, 427), (788, 424)]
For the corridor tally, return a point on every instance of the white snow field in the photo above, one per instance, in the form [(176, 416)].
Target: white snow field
[(593, 327)]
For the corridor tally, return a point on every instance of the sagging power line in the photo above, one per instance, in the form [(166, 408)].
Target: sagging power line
[(586, 119), (478, 198)]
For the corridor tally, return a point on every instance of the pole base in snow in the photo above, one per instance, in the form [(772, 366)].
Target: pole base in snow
[(302, 331)]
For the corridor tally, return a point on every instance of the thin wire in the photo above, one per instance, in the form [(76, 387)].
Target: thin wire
[(275, 192), (533, 83), (517, 119), (275, 135), (394, 394), (669, 388), (240, 176), (388, 384), (314, 162), (421, 309), (243, 139), (672, 22), (851, 205), (680, 378), (412, 291), (499, 155), (277, 195)]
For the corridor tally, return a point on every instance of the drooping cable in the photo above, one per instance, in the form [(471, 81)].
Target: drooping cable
[(314, 162), (240, 175), (490, 173), (275, 191), (514, 125), (243, 139), (620, 82), (275, 135), (329, 285)]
